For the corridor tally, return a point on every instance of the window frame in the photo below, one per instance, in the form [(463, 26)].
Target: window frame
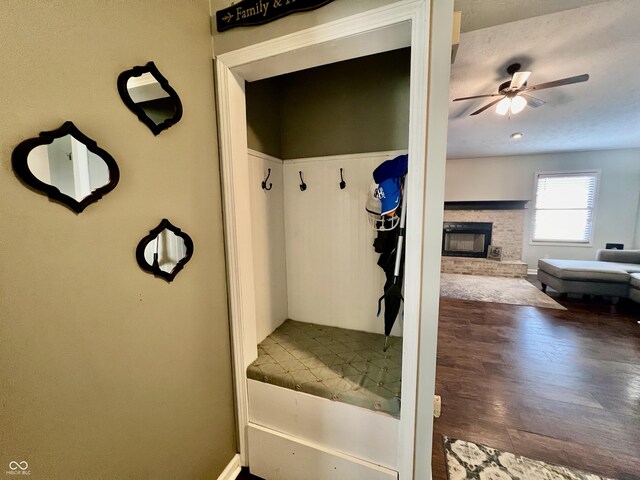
[(595, 172)]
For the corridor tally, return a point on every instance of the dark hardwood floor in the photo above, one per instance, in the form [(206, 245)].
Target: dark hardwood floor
[(554, 385)]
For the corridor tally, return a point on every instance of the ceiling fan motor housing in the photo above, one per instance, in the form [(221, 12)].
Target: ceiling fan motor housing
[(504, 87), (513, 68)]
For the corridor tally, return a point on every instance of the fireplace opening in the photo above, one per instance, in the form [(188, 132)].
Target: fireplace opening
[(466, 239)]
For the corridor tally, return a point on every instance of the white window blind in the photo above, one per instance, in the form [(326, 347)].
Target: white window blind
[(564, 207)]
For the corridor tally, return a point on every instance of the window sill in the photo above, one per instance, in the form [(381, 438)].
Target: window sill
[(560, 244)]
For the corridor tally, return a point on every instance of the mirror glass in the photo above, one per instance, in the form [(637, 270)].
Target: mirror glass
[(68, 165), (165, 251), (147, 93)]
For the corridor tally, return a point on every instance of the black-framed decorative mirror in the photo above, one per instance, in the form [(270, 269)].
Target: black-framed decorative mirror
[(67, 166), (147, 93), (165, 251)]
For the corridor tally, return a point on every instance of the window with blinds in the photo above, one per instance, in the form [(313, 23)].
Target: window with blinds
[(564, 206)]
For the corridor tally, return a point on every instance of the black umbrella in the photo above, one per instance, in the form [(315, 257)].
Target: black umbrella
[(390, 246)]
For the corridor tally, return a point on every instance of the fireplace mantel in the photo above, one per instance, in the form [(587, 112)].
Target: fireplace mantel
[(487, 205)]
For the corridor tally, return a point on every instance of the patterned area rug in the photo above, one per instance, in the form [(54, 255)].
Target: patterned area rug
[(467, 460), (480, 288)]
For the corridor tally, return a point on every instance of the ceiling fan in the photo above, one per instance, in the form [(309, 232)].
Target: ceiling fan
[(514, 94)]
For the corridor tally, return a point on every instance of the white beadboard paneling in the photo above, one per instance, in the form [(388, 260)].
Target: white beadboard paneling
[(269, 258), (332, 272)]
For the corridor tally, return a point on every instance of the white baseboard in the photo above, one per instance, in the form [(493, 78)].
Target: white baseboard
[(532, 271), (232, 470)]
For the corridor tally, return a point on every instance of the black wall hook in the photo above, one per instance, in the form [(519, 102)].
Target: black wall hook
[(264, 182), (303, 186), (343, 184)]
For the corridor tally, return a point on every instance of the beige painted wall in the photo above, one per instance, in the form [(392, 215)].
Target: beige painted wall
[(512, 178), (106, 371), (356, 106), (243, 36)]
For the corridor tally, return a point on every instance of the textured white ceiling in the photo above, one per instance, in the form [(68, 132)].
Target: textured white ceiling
[(478, 14), (602, 40)]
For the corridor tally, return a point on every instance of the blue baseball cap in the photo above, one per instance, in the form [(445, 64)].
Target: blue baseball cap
[(388, 192), (396, 167)]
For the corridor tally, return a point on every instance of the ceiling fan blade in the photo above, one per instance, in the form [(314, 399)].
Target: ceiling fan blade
[(558, 83), (532, 101), (487, 106), (477, 96), (519, 79)]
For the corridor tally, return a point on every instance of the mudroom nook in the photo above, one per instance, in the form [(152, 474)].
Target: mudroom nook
[(320, 378), (316, 276)]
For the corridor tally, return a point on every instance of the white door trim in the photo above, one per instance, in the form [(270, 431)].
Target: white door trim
[(331, 31), (423, 209)]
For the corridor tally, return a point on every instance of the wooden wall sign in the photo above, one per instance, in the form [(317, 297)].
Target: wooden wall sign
[(258, 12)]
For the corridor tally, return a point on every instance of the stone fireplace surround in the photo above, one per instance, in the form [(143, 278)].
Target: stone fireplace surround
[(508, 231)]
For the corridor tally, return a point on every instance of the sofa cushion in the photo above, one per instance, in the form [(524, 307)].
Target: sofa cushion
[(588, 270), (635, 280), (618, 256)]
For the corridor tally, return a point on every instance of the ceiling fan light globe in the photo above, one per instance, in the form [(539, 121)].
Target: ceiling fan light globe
[(503, 106), (517, 104)]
